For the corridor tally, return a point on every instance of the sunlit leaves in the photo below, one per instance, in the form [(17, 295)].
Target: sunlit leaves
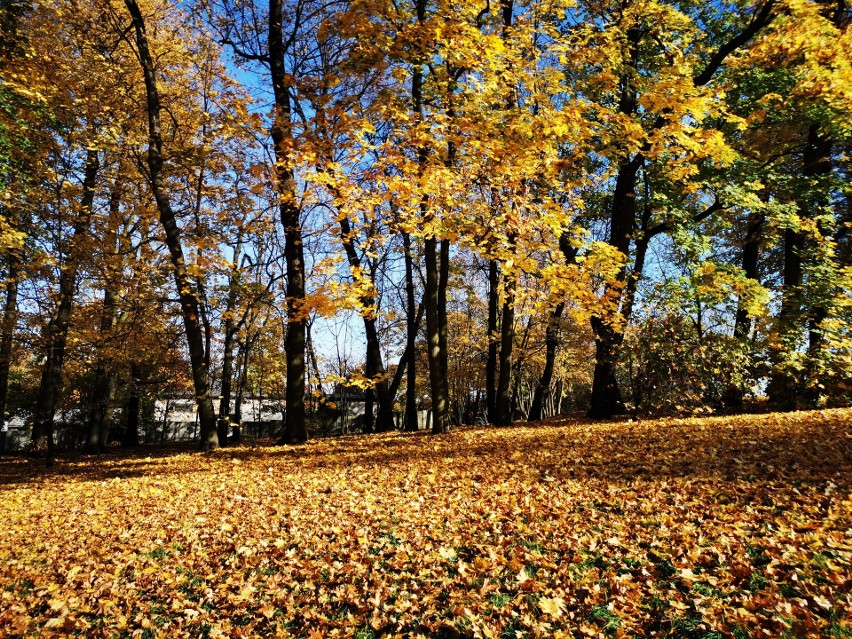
[(722, 525)]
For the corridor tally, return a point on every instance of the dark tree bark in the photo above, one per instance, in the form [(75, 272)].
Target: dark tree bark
[(295, 430), (785, 387), (431, 294), (224, 422), (374, 366), (312, 358), (104, 388), (443, 283), (503, 416), (405, 359), (551, 341), (56, 333), (606, 398), (742, 323), (188, 299), (437, 378), (491, 364), (227, 381), (817, 167), (503, 402), (103, 392), (750, 263), (411, 328), (131, 431), (242, 373), (7, 329), (230, 330)]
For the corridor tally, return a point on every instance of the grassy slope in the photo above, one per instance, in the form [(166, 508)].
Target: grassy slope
[(719, 527)]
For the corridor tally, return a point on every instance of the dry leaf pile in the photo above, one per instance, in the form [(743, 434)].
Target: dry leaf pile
[(718, 527)]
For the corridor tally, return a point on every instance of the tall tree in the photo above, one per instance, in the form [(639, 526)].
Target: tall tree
[(56, 332), (295, 430), (640, 54), (186, 291)]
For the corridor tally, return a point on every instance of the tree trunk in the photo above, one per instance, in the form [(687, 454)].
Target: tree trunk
[(551, 341), (188, 299), (606, 397), (750, 260), (785, 386), (131, 432), (503, 416), (374, 366), (412, 326), (443, 283), (295, 430), (742, 323), (56, 333), (227, 381), (242, 372), (818, 165), (432, 294), (230, 330), (312, 357), (7, 331), (104, 389), (437, 378), (491, 364)]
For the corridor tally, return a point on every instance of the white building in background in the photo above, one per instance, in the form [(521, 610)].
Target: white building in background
[(176, 420)]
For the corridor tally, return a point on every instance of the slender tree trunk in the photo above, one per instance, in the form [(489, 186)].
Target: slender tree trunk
[(295, 430), (230, 330), (432, 294), (443, 283), (164, 434), (785, 387), (437, 378), (491, 364), (243, 355), (818, 166), (742, 323), (7, 330), (227, 381), (131, 433), (104, 388), (188, 299), (105, 382), (312, 357), (551, 341), (750, 261), (503, 415), (519, 401), (411, 328), (56, 333), (375, 367)]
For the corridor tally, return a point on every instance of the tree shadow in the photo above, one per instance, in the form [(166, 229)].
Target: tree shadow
[(804, 446)]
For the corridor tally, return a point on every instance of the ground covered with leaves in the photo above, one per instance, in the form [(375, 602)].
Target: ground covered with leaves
[(705, 528)]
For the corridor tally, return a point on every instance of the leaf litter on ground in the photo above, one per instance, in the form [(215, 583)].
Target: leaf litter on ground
[(695, 528)]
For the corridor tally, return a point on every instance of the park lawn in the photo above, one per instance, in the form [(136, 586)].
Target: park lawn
[(695, 528)]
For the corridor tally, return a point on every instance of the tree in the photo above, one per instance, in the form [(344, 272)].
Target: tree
[(188, 297)]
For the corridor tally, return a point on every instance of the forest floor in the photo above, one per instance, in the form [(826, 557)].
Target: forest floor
[(694, 528)]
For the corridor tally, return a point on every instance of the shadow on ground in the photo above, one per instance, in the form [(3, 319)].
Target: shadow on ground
[(806, 446)]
